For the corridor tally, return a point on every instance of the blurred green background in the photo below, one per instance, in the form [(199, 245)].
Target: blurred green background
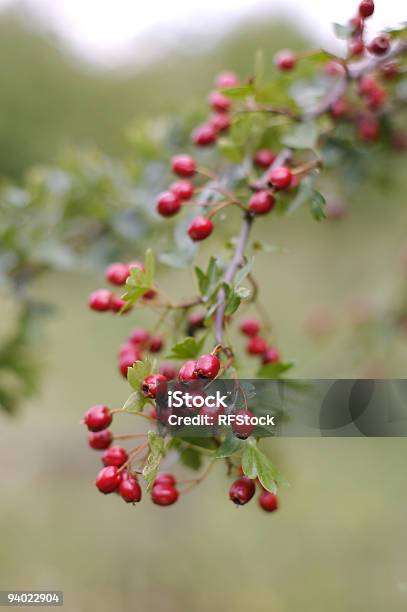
[(338, 542)]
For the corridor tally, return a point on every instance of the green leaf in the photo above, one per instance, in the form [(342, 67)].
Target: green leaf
[(305, 191), (256, 464), (140, 281), (232, 304), (187, 349), (157, 451), (243, 272), (231, 150), (343, 31), (135, 402), (191, 457), (274, 370), (304, 136), (139, 371), (230, 445), (207, 280), (239, 93), (317, 205)]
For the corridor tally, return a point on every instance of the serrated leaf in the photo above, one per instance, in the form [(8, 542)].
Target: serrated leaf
[(230, 445), (274, 370), (139, 371), (232, 304), (256, 464), (191, 457), (135, 402), (304, 136), (157, 449), (189, 348)]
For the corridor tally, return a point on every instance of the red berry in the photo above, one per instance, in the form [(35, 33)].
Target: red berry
[(182, 189), (280, 177), (117, 273), (98, 417), (108, 479), (204, 135), (100, 300), (366, 8), (207, 366), (99, 440), (127, 360), (130, 490), (150, 384), (368, 129), (188, 371), (377, 98), (356, 46), (168, 370), (115, 455), (183, 165), (156, 344), (226, 79), (380, 45), (119, 305), (242, 491), (139, 337), (150, 294), (220, 122), (200, 228), (164, 495), (264, 158), (164, 478), (285, 60), (334, 68), (357, 24), (219, 102), (168, 204), (261, 202), (271, 355), (268, 501), (339, 108), (196, 321), (250, 327), (256, 345), (242, 427), (390, 70)]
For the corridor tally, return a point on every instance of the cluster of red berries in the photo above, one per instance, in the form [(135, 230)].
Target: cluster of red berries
[(117, 273), (138, 341), (257, 345), (243, 490)]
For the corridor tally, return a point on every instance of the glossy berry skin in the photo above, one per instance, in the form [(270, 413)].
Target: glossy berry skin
[(268, 501), (207, 366), (242, 491), (243, 430), (127, 360), (139, 337), (366, 8), (271, 355), (256, 345), (168, 204), (204, 135), (108, 479), (219, 102), (264, 158), (280, 178), (220, 122), (200, 228), (98, 417), (261, 202), (100, 440), (115, 455), (164, 495), (130, 490), (250, 327), (285, 60), (100, 300), (182, 189), (168, 370), (183, 165), (188, 371), (117, 273), (165, 478), (226, 79), (150, 384), (380, 45), (156, 344)]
